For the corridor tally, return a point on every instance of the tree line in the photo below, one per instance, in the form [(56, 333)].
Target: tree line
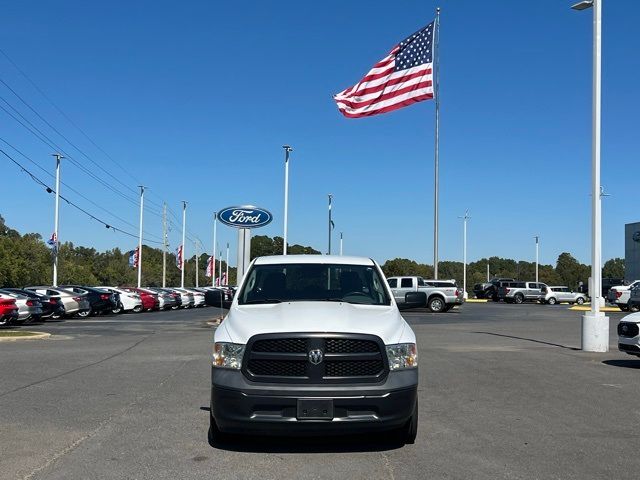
[(26, 260)]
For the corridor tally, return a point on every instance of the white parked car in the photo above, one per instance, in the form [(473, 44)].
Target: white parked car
[(629, 334), (198, 297), (314, 344), (129, 301), (559, 294)]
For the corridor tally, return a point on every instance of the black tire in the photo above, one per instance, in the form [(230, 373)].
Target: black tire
[(552, 301), (409, 431), (215, 436), (634, 307), (580, 300), (436, 304), (175, 307), (137, 309), (84, 313), (495, 298), (118, 310), (519, 298), (624, 308)]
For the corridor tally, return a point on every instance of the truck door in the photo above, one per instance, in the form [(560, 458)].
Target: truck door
[(406, 286), (393, 284)]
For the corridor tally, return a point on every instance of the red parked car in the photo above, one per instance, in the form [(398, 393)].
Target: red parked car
[(8, 311), (149, 300)]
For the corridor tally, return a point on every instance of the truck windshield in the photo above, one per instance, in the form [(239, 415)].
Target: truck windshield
[(359, 284)]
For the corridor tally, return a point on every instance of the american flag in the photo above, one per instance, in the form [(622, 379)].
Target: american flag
[(402, 78)]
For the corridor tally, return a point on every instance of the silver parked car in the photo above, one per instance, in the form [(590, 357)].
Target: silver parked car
[(29, 309), (73, 302), (166, 299), (559, 294)]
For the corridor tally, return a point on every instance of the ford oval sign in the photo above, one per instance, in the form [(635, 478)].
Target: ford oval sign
[(246, 216)]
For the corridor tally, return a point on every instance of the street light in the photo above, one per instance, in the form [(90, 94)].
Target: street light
[(595, 325), (287, 151)]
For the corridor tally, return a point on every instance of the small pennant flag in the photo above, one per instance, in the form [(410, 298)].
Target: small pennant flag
[(224, 279), (209, 271), (133, 258)]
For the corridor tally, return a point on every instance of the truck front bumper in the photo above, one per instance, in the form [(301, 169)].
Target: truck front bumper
[(241, 406)]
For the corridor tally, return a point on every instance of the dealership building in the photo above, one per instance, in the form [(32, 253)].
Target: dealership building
[(632, 251)]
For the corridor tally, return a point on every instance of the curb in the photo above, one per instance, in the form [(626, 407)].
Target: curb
[(476, 300), (38, 336), (215, 322), (602, 309)]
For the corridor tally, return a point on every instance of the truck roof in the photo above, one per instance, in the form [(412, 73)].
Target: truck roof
[(313, 259)]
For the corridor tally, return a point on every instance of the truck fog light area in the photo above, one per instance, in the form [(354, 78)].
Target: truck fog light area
[(402, 355), (228, 355)]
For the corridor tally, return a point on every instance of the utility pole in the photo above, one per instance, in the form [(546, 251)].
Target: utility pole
[(464, 252), (595, 325), (56, 243), (184, 226), (340, 243), (164, 244), (287, 150), (226, 274), (330, 224), (140, 236), (213, 252), (537, 237)]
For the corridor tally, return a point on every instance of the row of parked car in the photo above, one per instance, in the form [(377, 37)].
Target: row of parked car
[(38, 303), (509, 290)]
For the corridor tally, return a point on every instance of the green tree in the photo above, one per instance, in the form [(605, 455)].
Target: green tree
[(613, 268)]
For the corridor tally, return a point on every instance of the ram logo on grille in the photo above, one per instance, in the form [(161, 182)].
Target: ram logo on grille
[(316, 356)]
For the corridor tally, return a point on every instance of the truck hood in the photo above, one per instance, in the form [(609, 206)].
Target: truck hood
[(244, 321), (633, 318)]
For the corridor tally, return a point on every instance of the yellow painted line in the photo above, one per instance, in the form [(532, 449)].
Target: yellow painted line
[(476, 300), (583, 308)]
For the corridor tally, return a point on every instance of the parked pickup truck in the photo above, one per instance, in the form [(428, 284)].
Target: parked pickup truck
[(439, 295), (520, 292), (619, 295), (489, 289)]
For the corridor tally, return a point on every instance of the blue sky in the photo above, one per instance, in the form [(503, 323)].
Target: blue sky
[(196, 99)]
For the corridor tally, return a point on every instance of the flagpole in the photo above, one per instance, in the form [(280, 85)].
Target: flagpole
[(226, 274), (220, 267), (140, 236), (329, 249), (436, 190), (215, 234), (56, 215), (184, 226)]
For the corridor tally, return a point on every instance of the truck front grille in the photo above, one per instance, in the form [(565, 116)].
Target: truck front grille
[(346, 358)]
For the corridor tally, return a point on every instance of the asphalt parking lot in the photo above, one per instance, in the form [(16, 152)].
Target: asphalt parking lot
[(505, 393)]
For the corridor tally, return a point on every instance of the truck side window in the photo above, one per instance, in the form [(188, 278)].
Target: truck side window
[(406, 283), (393, 283), (421, 282)]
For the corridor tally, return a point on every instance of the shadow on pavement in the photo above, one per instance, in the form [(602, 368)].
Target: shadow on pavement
[(530, 340), (623, 363), (333, 444)]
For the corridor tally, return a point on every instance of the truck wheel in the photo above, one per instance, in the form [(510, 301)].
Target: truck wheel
[(215, 436), (624, 308), (519, 298), (634, 308), (436, 305), (409, 431), (552, 301), (580, 300)]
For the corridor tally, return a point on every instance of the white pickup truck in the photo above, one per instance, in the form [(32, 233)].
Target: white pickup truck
[(438, 295), (620, 294), (314, 344)]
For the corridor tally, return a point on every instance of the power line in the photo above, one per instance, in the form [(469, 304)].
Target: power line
[(51, 190)]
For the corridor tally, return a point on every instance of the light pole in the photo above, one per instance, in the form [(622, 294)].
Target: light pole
[(195, 245), (164, 244), (537, 237), (215, 234), (184, 247), (226, 272), (340, 243), (330, 224), (287, 151), (595, 325), (140, 236), (56, 243), (465, 218)]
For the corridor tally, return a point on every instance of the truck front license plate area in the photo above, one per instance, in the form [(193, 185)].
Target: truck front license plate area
[(313, 409)]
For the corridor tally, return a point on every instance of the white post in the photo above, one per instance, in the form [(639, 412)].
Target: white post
[(340, 243), (227, 269), (330, 224), (488, 272), (56, 245), (140, 236), (164, 244), (197, 273), (436, 173), (287, 150), (464, 252), (220, 267), (184, 247), (215, 234), (537, 255), (595, 325)]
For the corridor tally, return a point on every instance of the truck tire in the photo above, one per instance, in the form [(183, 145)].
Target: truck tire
[(409, 431), (214, 435), (436, 304), (634, 307), (519, 298), (624, 308)]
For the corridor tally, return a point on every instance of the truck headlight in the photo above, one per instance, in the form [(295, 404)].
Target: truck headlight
[(228, 355), (402, 355)]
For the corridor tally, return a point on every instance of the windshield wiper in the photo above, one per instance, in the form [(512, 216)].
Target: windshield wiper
[(264, 300)]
